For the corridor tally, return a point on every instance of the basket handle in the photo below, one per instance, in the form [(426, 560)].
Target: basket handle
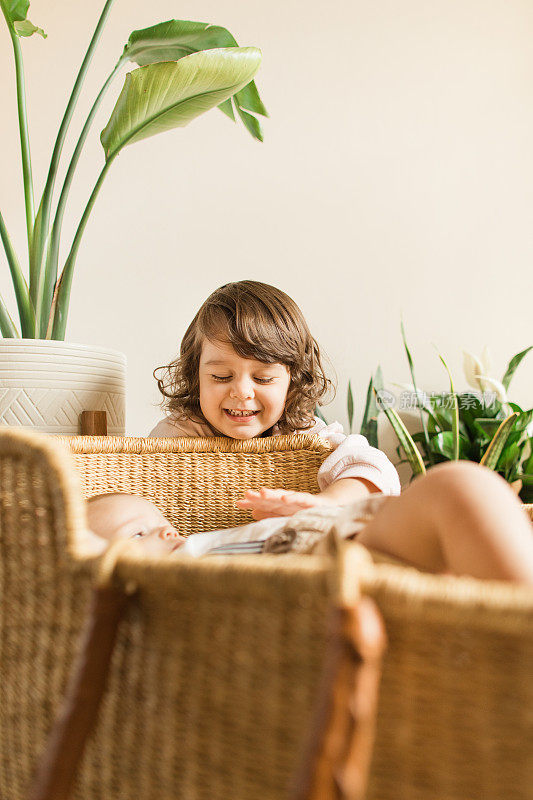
[(57, 767), (336, 758)]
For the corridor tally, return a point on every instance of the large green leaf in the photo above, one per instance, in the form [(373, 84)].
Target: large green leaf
[(171, 40), (175, 39), (167, 95), (445, 445), (495, 448), (16, 12), (16, 9), (484, 429), (510, 455), (512, 366)]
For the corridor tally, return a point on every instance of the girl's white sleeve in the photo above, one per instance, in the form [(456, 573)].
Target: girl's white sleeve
[(353, 457)]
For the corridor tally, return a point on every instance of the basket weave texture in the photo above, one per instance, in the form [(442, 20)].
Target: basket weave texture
[(217, 663), (213, 678), (195, 482), (455, 718)]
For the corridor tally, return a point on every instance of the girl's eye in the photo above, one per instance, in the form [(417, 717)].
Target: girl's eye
[(263, 380), (221, 378), (138, 535)]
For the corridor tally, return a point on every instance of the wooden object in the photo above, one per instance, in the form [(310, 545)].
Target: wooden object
[(336, 758), (93, 423)]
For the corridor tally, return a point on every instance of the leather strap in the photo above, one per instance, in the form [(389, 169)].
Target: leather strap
[(336, 757)]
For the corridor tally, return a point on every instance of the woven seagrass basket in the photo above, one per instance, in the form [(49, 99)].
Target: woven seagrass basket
[(217, 662)]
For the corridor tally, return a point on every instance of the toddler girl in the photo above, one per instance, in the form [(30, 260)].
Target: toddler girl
[(248, 366)]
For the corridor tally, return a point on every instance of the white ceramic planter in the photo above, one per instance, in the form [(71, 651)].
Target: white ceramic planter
[(46, 385)]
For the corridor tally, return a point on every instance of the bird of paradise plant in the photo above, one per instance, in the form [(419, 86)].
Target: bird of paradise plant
[(184, 69)]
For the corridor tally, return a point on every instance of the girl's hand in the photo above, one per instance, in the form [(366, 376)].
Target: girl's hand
[(277, 502)]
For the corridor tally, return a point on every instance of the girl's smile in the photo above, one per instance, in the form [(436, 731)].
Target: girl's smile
[(240, 397)]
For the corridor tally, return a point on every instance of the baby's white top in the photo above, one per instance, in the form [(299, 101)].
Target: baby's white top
[(353, 457)]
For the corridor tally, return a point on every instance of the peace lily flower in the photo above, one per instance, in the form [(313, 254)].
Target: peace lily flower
[(476, 373)]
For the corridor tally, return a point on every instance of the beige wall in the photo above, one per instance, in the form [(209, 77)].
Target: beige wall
[(396, 177)]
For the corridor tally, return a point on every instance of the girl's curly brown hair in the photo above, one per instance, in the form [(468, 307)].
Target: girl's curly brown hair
[(260, 322)]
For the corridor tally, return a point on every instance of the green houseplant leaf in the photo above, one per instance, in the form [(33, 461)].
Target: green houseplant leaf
[(16, 12), (42, 272), (404, 437), (167, 95), (495, 448), (16, 9), (469, 426), (455, 418), (512, 366), (166, 41), (154, 99), (527, 466), (43, 299), (412, 371), (444, 444), (369, 424), (172, 40), (27, 28), (349, 405)]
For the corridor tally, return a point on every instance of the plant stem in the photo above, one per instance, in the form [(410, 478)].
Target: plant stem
[(36, 271), (27, 317), (50, 277), (7, 326), (23, 130), (59, 308)]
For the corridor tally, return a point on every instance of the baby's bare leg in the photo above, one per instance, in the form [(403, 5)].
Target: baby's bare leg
[(459, 518)]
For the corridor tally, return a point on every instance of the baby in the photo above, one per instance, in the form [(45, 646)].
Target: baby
[(460, 519), (116, 516)]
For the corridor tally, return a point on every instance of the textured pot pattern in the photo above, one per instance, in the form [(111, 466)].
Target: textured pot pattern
[(46, 385)]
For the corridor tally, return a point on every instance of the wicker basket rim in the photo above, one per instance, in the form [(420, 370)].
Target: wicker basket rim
[(403, 581), (181, 444), (422, 591)]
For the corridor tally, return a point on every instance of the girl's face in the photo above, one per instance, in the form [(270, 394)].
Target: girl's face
[(240, 397)]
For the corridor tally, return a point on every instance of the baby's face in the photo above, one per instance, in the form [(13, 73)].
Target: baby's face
[(240, 397), (128, 516)]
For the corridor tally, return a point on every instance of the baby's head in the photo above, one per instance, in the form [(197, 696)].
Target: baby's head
[(129, 516), (247, 362)]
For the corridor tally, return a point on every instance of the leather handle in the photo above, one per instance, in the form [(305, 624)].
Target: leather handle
[(336, 759)]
